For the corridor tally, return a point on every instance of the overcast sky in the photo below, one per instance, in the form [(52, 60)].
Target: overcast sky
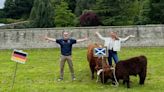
[(2, 3)]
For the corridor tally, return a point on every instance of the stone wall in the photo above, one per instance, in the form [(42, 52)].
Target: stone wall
[(149, 35)]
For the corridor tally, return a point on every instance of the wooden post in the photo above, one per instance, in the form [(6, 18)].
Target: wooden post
[(103, 68)]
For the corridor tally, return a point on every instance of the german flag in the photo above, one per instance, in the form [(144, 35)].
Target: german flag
[(19, 56)]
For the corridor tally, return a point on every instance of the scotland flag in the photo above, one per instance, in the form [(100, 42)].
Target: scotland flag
[(99, 52)]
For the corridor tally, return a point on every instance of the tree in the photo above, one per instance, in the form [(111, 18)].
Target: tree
[(2, 14), (82, 5), (42, 14), (24, 7), (18, 8), (123, 12), (157, 11), (141, 14), (126, 12), (107, 10), (71, 5), (10, 9), (63, 16)]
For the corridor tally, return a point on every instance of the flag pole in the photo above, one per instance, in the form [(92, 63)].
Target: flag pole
[(14, 76), (103, 68)]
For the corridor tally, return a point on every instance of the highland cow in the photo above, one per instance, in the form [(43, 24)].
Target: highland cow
[(95, 63), (133, 66)]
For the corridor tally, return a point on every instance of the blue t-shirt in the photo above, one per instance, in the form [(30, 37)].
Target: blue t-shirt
[(66, 46)]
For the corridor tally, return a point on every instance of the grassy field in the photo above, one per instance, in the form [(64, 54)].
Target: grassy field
[(41, 72)]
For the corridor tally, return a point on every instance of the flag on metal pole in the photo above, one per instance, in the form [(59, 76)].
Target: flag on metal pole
[(19, 56)]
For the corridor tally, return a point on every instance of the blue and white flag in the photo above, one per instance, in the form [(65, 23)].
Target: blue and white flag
[(99, 52)]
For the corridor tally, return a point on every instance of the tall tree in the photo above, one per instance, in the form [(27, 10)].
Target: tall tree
[(123, 12), (126, 13), (71, 5), (24, 7), (142, 10), (107, 10), (157, 11), (82, 5), (2, 14), (63, 16), (18, 8), (42, 14), (10, 9)]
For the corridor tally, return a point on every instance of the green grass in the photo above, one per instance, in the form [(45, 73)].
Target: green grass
[(41, 71)]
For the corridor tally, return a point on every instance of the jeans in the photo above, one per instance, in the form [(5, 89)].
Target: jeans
[(112, 54)]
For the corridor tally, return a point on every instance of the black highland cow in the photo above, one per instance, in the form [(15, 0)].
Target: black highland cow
[(124, 68)]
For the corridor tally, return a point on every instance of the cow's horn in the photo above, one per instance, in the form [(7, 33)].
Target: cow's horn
[(99, 71)]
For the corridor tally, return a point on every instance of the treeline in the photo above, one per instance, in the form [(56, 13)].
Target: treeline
[(63, 13)]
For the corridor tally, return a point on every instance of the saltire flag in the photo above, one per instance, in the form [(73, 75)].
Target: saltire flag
[(99, 52), (19, 56)]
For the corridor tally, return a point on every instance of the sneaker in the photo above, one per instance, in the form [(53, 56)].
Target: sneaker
[(60, 79)]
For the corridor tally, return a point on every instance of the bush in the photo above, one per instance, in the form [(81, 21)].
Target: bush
[(89, 19)]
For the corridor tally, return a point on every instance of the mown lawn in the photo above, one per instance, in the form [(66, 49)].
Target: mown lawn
[(41, 72)]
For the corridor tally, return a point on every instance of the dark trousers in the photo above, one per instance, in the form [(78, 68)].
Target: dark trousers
[(112, 54)]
